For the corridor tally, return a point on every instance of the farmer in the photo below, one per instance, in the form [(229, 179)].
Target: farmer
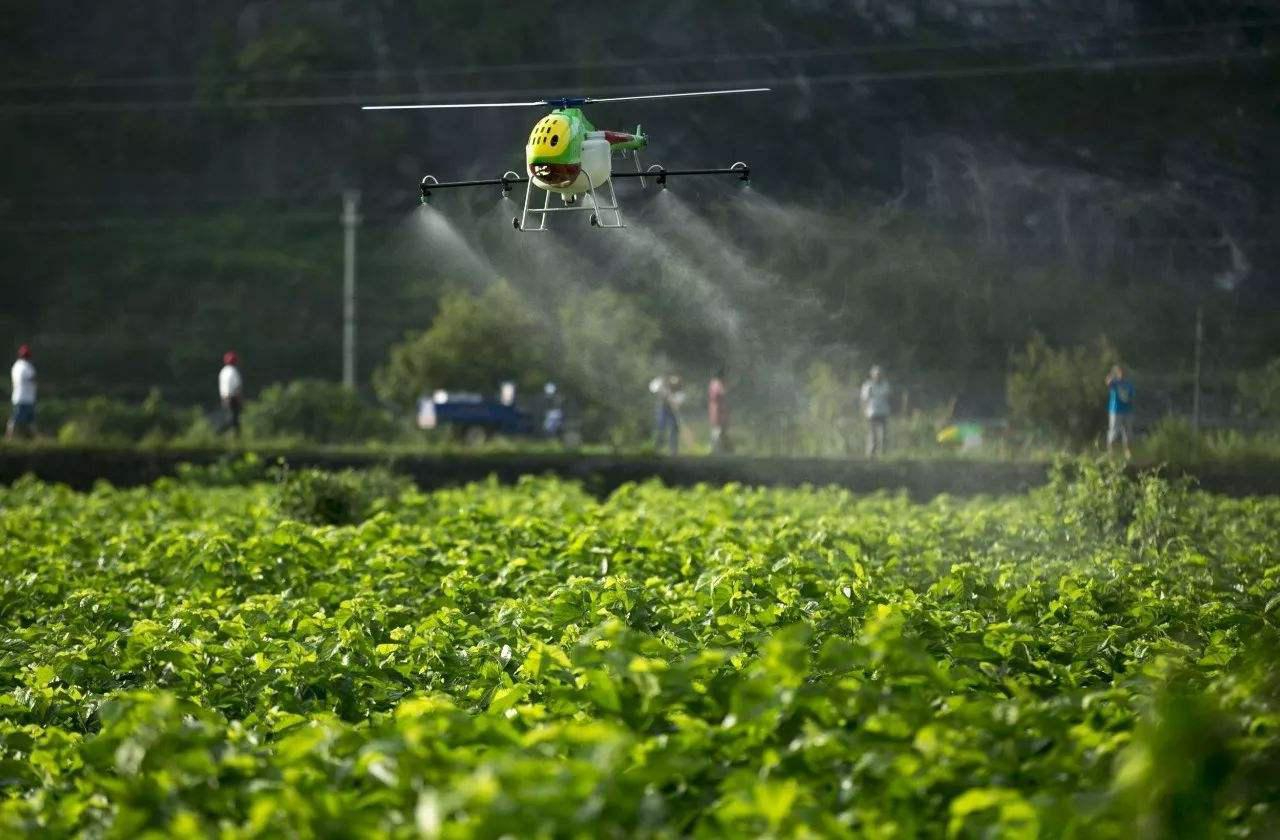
[(670, 393), (718, 413), (1119, 409), (875, 407), (23, 374), (231, 392), (553, 419)]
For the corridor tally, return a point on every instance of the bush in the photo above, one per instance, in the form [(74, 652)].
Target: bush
[(830, 422), (607, 348), (317, 412), (1259, 392), (597, 347), (227, 471), (475, 343), (336, 498), (1061, 391), (1174, 441), (110, 420), (1101, 500)]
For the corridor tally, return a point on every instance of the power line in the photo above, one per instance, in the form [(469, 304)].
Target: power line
[(977, 72), (650, 61)]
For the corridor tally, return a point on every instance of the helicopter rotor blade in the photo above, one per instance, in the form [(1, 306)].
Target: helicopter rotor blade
[(563, 102), (451, 105), (676, 95)]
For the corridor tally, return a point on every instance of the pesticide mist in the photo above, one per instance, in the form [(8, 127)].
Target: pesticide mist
[(712, 268)]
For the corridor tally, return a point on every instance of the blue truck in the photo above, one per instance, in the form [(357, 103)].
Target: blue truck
[(475, 417)]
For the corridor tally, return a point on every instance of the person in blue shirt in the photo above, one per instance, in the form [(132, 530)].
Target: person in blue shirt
[(1119, 409)]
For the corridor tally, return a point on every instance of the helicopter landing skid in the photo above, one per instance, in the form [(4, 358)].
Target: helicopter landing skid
[(597, 210)]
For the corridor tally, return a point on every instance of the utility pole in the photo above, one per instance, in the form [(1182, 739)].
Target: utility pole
[(350, 221), (1195, 394)]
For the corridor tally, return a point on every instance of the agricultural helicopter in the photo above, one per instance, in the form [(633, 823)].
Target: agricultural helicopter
[(566, 155)]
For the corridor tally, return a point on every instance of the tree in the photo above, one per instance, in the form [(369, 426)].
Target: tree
[(475, 343), (1061, 390), (607, 359), (598, 348)]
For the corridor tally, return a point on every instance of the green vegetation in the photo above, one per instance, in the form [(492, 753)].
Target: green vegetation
[(1061, 390), (315, 411), (1260, 392), (1095, 659), (598, 348), (336, 498), (1174, 441), (931, 224)]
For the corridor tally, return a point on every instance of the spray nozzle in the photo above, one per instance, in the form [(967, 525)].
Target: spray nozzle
[(660, 173), (427, 182), (745, 177), (508, 178)]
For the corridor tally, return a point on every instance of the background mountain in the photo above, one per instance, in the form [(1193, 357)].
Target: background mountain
[(934, 181)]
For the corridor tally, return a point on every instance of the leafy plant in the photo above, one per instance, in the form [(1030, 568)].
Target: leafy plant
[(336, 498), (318, 412), (474, 343), (1259, 391), (1061, 390), (1095, 658)]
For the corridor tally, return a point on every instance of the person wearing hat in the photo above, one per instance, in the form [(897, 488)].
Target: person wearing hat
[(23, 376), (875, 406), (231, 392)]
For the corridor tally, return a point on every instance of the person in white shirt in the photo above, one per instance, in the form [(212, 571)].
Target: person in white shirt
[(875, 406), (231, 392), (23, 376)]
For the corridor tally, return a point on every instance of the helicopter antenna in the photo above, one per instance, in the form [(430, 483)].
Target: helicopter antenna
[(564, 101)]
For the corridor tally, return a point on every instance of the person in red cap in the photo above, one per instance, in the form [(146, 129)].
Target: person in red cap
[(231, 391), (23, 374)]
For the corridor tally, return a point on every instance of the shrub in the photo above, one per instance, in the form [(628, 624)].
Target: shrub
[(597, 347), (1093, 498), (347, 497), (1102, 500), (318, 412), (110, 420), (1174, 441), (227, 471), (1061, 390), (608, 356), (475, 343), (1259, 392)]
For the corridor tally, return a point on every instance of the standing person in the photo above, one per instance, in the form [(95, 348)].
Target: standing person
[(875, 407), (670, 393), (231, 392), (553, 419), (23, 376), (718, 413), (1119, 409)]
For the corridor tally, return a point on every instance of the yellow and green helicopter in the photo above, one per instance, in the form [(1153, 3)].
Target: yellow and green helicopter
[(566, 155)]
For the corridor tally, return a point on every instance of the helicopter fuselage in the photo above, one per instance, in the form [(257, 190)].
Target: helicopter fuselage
[(566, 154)]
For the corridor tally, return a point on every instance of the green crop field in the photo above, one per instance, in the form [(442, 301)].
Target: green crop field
[(1096, 659)]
